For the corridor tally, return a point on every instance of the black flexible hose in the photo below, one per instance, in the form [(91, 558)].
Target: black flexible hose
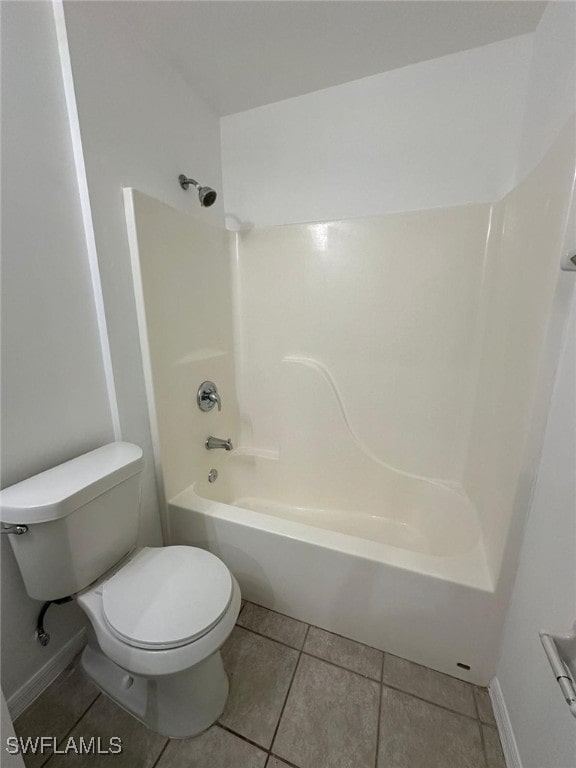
[(42, 636)]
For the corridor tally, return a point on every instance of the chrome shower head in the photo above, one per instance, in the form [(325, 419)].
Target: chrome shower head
[(206, 195)]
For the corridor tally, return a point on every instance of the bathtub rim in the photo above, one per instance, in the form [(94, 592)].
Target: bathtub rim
[(469, 569)]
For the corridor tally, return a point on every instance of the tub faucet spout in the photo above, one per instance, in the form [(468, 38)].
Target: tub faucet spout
[(218, 442)]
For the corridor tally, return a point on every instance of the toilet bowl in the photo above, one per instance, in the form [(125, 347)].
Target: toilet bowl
[(157, 626), (158, 615)]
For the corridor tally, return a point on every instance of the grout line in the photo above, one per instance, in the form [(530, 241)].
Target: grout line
[(379, 714), (98, 695), (271, 610), (241, 736), (274, 639), (433, 703), (481, 726), (349, 639), (69, 731), (339, 666), (288, 762), (288, 692), (277, 613), (268, 750), (315, 626), (164, 748), (313, 655), (484, 722), (483, 740), (476, 707)]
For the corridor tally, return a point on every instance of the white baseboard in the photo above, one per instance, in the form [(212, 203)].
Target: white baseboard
[(509, 746), (26, 694)]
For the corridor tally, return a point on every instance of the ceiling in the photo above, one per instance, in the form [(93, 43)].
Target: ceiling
[(242, 54)]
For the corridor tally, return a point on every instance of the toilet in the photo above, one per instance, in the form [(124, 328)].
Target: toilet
[(158, 615)]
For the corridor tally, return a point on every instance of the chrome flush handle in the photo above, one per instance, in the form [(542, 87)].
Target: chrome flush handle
[(16, 530), (207, 396)]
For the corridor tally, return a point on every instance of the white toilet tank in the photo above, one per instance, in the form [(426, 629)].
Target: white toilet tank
[(82, 518)]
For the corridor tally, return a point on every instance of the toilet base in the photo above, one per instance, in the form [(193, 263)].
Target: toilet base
[(177, 706)]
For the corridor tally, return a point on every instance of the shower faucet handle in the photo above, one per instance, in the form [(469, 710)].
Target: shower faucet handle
[(215, 398), (207, 396)]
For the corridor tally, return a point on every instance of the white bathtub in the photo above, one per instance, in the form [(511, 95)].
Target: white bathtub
[(399, 566)]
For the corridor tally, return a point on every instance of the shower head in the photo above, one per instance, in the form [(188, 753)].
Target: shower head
[(206, 195)]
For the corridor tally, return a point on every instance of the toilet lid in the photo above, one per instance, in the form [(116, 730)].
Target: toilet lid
[(166, 597)]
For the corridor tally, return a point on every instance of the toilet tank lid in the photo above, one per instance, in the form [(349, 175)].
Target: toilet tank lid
[(59, 491)]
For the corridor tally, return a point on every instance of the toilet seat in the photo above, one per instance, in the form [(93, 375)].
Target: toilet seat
[(166, 597), (156, 661)]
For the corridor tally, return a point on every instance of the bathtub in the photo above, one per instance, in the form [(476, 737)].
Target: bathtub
[(392, 561)]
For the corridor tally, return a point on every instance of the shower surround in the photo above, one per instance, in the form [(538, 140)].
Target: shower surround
[(381, 378)]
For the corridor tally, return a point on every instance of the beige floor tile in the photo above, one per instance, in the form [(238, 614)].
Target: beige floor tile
[(330, 719), (275, 762), (56, 710), (416, 734), (140, 746), (485, 711), (429, 684), (494, 753), (346, 653), (274, 625), (215, 748), (260, 671)]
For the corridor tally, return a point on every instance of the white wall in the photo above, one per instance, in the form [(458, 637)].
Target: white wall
[(544, 595), (551, 97), (54, 397), (141, 127), (434, 134)]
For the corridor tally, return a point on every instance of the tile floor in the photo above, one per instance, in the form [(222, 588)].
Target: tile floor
[(299, 696)]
